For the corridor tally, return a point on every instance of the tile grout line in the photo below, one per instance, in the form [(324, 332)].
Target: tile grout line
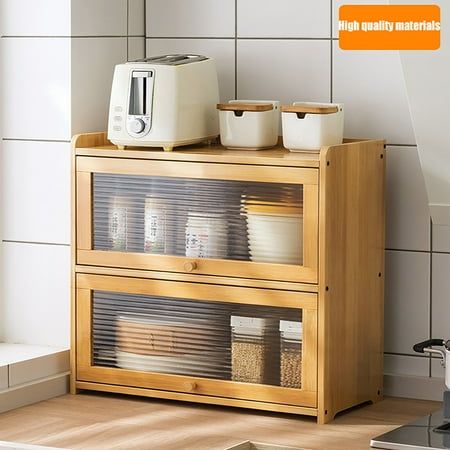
[(407, 250), (11, 241), (331, 51), (37, 140), (405, 354), (72, 37), (235, 50), (430, 325), (128, 30), (244, 38), (145, 28)]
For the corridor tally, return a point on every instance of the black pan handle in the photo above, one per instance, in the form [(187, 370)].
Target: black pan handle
[(421, 346)]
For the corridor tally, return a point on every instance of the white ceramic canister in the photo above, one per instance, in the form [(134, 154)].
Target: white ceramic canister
[(309, 126), (156, 227), (120, 222), (249, 124), (206, 235), (275, 234)]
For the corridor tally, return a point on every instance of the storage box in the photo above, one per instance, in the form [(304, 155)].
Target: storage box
[(284, 224), (149, 345), (254, 352), (310, 126), (249, 124), (291, 354)]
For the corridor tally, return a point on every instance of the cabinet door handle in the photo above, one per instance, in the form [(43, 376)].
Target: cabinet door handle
[(190, 386), (190, 266)]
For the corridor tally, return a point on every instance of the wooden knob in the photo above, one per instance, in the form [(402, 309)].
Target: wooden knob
[(190, 386), (190, 266)]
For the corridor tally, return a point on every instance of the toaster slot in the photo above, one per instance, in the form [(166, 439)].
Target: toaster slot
[(140, 104)]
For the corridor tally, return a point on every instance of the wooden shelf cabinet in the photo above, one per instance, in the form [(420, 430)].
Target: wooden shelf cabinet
[(186, 265)]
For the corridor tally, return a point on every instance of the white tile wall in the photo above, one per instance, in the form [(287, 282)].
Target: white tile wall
[(42, 17), (371, 85), (36, 191), (406, 365), (136, 48), (437, 369), (441, 296), (36, 286), (283, 18), (407, 307), (52, 86), (222, 50), (338, 3), (91, 87), (285, 70), (408, 221), (136, 17), (35, 89), (99, 18), (441, 238), (193, 18)]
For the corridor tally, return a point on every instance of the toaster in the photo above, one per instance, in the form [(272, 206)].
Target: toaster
[(164, 101)]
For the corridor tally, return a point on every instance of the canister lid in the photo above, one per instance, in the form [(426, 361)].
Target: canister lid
[(251, 322), (273, 209), (248, 106), (291, 329), (311, 108)]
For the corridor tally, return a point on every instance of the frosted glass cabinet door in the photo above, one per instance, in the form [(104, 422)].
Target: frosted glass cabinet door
[(242, 343), (215, 219)]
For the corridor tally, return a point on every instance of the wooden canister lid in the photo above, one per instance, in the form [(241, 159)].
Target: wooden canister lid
[(309, 108), (255, 107)]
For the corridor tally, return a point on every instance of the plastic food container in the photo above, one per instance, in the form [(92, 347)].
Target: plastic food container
[(206, 235), (184, 347), (249, 124), (254, 352), (275, 233), (291, 354), (157, 225), (121, 223), (309, 126)]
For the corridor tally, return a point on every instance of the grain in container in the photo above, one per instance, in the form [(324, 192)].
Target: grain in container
[(254, 350), (249, 124), (291, 353), (309, 126)]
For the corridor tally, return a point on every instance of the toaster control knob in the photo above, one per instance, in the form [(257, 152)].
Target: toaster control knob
[(137, 126)]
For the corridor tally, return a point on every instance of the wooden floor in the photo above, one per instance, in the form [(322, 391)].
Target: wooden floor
[(103, 421)]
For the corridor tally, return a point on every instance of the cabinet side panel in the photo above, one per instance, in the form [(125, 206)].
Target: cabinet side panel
[(351, 274)]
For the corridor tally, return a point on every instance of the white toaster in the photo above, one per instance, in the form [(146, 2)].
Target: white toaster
[(164, 101)]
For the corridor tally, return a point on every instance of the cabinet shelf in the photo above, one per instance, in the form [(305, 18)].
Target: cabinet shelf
[(250, 279)]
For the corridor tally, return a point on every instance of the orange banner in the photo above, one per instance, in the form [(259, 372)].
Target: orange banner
[(389, 27)]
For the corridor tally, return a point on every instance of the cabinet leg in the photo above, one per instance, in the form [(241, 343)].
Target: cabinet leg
[(325, 416)]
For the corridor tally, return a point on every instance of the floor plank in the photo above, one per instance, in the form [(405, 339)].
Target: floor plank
[(105, 421)]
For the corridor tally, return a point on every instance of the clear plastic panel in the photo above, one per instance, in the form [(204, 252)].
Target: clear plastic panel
[(217, 219), (196, 338)]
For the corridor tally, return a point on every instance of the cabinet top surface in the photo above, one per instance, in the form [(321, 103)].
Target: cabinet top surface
[(97, 145)]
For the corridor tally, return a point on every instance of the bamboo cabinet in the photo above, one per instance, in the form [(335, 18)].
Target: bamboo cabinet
[(249, 279)]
